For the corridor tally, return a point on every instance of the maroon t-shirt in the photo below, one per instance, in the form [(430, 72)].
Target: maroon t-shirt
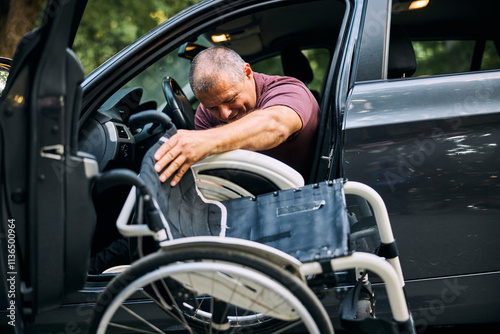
[(298, 150)]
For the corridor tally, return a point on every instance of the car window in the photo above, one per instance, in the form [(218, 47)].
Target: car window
[(271, 65), (319, 59), (151, 79), (438, 38), (453, 56), (491, 57), (252, 36), (171, 65)]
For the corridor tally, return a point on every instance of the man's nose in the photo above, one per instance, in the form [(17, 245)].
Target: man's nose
[(225, 112)]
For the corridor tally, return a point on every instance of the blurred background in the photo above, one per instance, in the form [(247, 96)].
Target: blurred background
[(108, 26)]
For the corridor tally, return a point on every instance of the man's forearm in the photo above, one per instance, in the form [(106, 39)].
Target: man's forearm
[(259, 130)]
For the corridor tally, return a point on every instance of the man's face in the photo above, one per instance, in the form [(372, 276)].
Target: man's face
[(228, 101)]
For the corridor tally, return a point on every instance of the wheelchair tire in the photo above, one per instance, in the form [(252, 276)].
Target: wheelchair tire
[(180, 291)]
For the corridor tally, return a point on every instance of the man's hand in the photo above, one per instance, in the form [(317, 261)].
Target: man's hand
[(256, 131), (180, 152)]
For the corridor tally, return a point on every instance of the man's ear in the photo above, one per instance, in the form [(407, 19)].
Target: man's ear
[(247, 71)]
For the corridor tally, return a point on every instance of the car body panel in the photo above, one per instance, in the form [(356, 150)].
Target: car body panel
[(43, 165), (429, 146), (426, 142)]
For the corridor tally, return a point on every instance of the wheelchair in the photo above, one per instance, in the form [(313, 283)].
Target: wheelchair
[(233, 260)]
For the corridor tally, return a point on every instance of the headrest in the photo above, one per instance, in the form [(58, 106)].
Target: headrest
[(402, 61), (296, 65)]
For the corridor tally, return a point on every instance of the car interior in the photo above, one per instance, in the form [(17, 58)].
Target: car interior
[(278, 40), (262, 39)]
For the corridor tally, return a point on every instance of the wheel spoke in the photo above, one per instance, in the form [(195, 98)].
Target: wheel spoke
[(169, 312), (135, 330), (141, 319), (292, 325), (175, 304)]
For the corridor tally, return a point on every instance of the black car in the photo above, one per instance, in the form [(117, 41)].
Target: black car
[(410, 104)]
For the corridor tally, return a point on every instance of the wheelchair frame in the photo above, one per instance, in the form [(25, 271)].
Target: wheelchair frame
[(388, 269)]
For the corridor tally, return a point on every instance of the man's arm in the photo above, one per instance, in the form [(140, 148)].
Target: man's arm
[(257, 131)]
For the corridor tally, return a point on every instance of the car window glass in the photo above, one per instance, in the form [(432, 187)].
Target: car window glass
[(257, 54), (491, 57), (150, 80), (441, 57), (319, 59), (451, 56), (271, 65), (171, 65)]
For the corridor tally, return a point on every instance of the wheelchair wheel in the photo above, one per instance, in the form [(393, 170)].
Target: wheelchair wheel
[(208, 290)]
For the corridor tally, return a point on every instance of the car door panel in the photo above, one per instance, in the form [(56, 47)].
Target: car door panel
[(47, 180), (430, 147)]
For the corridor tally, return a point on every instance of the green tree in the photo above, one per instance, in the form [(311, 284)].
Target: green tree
[(109, 26), (17, 17)]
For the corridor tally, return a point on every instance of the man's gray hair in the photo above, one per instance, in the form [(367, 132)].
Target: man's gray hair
[(210, 64)]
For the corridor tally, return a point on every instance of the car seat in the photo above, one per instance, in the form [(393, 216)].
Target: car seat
[(402, 62), (296, 65)]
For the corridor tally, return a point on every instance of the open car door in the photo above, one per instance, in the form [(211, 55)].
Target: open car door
[(47, 214)]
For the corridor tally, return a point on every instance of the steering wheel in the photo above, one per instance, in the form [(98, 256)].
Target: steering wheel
[(178, 107)]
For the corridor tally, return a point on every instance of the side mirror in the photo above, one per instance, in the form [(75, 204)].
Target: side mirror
[(4, 72)]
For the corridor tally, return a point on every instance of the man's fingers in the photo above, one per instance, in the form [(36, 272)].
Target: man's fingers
[(161, 151), (165, 157), (173, 157), (165, 147), (172, 167), (180, 173), (178, 165)]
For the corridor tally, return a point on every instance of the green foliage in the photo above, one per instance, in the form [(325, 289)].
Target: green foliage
[(441, 57), (319, 59), (491, 57), (451, 56), (3, 81), (109, 26)]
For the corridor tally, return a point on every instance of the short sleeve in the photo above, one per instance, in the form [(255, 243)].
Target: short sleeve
[(292, 93), (204, 119)]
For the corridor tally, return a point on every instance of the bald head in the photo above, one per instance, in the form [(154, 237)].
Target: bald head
[(212, 64)]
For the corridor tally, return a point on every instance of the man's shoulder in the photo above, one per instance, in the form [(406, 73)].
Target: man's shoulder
[(275, 80), (272, 86)]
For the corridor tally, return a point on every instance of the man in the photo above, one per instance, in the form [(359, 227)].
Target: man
[(242, 109)]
